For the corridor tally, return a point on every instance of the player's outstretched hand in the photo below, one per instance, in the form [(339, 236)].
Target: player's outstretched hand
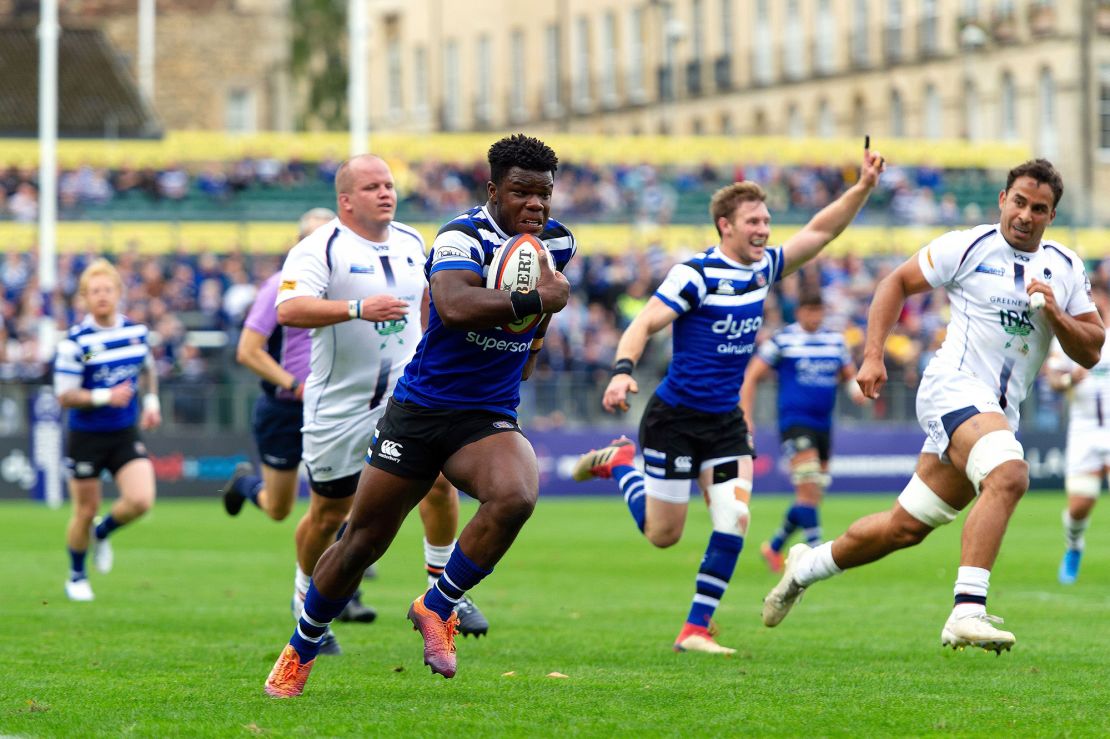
[(871, 377), (553, 287), (151, 418), (616, 395), (121, 395), (383, 308), (873, 165)]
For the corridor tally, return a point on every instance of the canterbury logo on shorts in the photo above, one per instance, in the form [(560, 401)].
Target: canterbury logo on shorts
[(390, 450)]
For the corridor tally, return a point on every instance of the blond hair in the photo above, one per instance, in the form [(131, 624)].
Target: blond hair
[(99, 268), (725, 201)]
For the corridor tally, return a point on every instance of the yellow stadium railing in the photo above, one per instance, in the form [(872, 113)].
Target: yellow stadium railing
[(204, 146), (272, 238)]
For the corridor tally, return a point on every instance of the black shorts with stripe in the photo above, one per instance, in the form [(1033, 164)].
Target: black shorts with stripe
[(88, 453), (676, 440)]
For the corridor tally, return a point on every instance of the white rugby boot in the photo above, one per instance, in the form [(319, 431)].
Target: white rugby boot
[(79, 590), (101, 550), (976, 630), (787, 592)]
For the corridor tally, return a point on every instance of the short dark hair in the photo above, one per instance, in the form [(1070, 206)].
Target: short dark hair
[(1043, 172), (811, 299), (521, 151)]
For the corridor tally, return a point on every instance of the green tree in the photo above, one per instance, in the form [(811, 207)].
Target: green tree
[(319, 62)]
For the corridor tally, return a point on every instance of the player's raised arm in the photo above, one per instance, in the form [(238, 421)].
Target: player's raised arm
[(831, 220), (886, 306)]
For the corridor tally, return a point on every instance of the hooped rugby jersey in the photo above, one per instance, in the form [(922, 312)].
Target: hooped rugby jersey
[(1089, 404), (808, 366), (92, 357), (992, 334), (719, 302), (355, 364), (473, 368)]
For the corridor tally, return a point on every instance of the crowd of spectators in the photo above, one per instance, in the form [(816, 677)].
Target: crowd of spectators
[(195, 305), (641, 192)]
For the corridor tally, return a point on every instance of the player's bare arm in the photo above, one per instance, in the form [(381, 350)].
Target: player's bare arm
[(151, 415), (309, 312), (463, 301), (758, 370), (831, 220), (654, 317), (886, 306), (251, 353), (1081, 336)]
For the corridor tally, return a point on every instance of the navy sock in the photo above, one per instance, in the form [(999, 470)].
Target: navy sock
[(342, 528), (805, 518), (714, 574), (631, 482), (106, 527), (318, 613), (778, 541), (77, 565), (248, 486), (460, 575)]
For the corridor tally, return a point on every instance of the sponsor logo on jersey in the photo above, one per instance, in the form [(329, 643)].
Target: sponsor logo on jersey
[(362, 269), (1021, 257), (724, 287), (935, 431), (390, 450), (734, 329), (498, 345), (386, 329), (1018, 326), (107, 376), (990, 270), (760, 280), (288, 285), (449, 253), (1047, 273)]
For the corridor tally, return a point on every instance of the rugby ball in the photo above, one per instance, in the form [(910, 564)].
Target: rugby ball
[(516, 266)]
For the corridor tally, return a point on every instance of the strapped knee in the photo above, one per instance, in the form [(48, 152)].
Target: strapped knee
[(919, 500), (808, 471), (1087, 486), (993, 449), (728, 500)]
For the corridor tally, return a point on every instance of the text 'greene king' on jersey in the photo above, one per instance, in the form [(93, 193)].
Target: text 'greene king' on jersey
[(102, 357), (720, 309), (808, 366), (473, 368)]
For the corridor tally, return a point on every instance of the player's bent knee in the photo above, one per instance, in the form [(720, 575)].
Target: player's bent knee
[(663, 536), (925, 506), (807, 472), (515, 506), (993, 450), (1083, 485)]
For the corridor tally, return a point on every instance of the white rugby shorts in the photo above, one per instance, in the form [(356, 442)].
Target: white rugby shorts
[(334, 445), (948, 397), (1088, 449)]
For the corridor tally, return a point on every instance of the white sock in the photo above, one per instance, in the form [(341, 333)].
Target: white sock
[(300, 590), (436, 556), (971, 581), (817, 565), (1074, 531)]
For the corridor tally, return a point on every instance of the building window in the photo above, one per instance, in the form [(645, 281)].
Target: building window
[(483, 101), (240, 114), (581, 82), (897, 115), (971, 111), (762, 43), (927, 31), (794, 49), (826, 124), (451, 85), (1008, 108), (697, 30), (1047, 106), (826, 38), (860, 15), (393, 65), (636, 55), (518, 101), (726, 26), (609, 60), (795, 126), (1104, 107), (552, 102), (420, 81), (892, 31), (932, 122)]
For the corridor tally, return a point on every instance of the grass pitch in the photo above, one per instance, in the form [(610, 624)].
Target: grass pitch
[(183, 632)]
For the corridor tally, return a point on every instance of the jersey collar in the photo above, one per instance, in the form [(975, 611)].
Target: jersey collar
[(489, 217), (89, 322)]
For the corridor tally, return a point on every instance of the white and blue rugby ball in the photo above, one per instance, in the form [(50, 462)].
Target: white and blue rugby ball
[(516, 266)]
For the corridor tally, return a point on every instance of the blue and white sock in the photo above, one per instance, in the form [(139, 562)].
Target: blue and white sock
[(77, 565), (714, 574), (106, 526), (248, 486), (460, 575), (806, 518), (317, 615), (631, 482)]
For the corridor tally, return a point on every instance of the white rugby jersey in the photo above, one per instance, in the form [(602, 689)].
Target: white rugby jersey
[(355, 364), (992, 334), (1089, 404)]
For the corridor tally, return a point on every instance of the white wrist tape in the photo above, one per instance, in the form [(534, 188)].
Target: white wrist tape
[(151, 403), (354, 309), (101, 396)]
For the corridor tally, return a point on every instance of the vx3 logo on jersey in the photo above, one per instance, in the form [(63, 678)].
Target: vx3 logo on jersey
[(734, 329)]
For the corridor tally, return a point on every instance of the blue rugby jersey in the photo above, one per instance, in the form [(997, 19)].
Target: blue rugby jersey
[(808, 366), (473, 368), (102, 357), (720, 309)]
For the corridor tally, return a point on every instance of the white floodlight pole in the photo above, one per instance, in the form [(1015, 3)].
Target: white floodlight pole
[(146, 50), (48, 154), (358, 28)]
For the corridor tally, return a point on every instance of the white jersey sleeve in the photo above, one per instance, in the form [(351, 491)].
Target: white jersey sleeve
[(457, 249), (69, 366), (683, 289), (306, 271), (1079, 297), (942, 258)]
